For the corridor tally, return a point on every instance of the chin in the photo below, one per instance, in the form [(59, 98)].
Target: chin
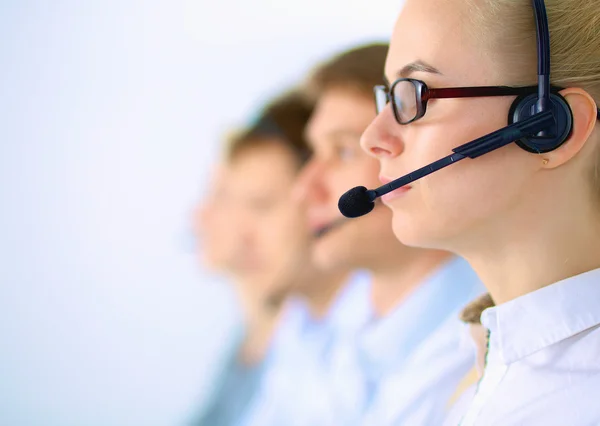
[(327, 254), (418, 233), (324, 256)]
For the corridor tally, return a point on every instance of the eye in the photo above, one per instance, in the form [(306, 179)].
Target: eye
[(345, 153)]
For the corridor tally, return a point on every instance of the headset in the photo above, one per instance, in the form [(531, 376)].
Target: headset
[(538, 123), (550, 138)]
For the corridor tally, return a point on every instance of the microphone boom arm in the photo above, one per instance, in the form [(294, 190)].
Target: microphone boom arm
[(528, 127)]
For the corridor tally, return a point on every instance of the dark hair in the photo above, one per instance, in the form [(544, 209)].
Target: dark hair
[(282, 121), (358, 69)]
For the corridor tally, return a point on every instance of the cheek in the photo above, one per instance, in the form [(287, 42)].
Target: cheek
[(464, 195), (367, 173), (286, 231), (471, 188)]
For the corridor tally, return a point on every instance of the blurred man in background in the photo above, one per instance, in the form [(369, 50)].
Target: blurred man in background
[(261, 240), (211, 223), (406, 361)]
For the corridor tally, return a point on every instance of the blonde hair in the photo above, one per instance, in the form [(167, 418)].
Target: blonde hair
[(471, 314), (574, 39), (574, 45)]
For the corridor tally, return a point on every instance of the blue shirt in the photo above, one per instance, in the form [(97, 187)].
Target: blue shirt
[(233, 394), (301, 352), (417, 355), (401, 369)]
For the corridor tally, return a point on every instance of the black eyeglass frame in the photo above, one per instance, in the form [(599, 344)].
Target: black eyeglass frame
[(423, 94)]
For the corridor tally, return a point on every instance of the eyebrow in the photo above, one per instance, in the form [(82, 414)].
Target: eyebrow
[(416, 66)]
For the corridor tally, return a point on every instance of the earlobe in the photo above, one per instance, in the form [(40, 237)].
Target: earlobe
[(584, 112)]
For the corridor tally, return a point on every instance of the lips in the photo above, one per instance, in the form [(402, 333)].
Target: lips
[(396, 193)]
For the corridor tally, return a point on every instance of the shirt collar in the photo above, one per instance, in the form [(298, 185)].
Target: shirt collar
[(536, 320), (349, 310), (390, 340)]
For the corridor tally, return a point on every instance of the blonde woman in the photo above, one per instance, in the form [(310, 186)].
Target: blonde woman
[(528, 223)]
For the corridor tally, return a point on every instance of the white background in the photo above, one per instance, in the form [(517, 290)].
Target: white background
[(110, 115)]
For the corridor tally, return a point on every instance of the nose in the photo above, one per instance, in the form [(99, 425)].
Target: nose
[(309, 183), (381, 139)]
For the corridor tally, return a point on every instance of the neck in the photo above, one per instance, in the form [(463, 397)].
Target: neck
[(322, 291), (523, 256), (394, 279), (262, 312), (258, 338), (261, 318)]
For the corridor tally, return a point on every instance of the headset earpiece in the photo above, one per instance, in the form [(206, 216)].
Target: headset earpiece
[(524, 107)]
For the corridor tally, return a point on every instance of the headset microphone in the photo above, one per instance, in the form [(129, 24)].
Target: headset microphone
[(360, 201), (538, 123)]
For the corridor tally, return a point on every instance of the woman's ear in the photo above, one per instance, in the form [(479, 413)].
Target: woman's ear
[(585, 117)]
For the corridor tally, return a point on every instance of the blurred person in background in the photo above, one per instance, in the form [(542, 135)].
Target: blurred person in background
[(404, 361), (211, 225), (259, 239)]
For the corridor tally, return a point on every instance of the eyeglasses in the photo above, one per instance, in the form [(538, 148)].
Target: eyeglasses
[(409, 96)]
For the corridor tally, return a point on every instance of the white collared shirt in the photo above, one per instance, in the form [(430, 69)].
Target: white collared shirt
[(543, 363), (460, 407)]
